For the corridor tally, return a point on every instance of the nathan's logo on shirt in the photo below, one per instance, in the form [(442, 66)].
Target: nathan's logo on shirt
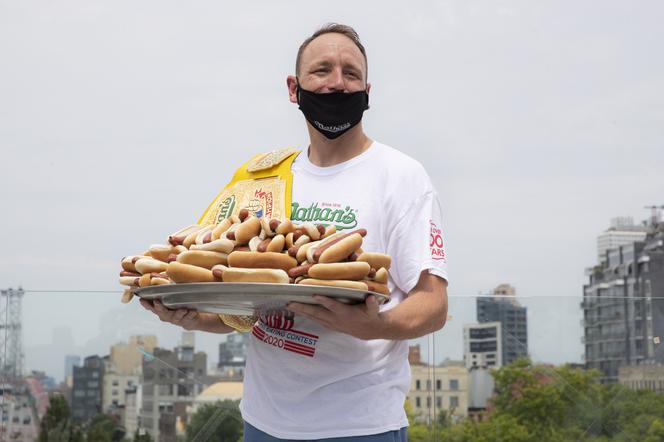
[(327, 213), (436, 242), (226, 208)]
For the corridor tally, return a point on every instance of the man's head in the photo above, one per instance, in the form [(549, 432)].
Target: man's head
[(332, 59), (330, 85)]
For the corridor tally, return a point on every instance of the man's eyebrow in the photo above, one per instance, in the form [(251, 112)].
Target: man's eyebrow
[(320, 63)]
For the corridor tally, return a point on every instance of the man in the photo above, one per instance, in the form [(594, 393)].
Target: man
[(350, 380)]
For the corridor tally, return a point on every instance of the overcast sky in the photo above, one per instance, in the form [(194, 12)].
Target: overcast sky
[(119, 122)]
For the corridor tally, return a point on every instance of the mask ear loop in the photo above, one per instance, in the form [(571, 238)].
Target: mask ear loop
[(297, 81)]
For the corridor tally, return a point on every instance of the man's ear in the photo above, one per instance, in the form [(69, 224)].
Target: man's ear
[(368, 87), (291, 82)]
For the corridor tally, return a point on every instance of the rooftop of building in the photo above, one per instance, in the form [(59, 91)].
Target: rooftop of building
[(220, 391)]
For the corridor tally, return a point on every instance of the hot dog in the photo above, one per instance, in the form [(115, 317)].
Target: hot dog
[(274, 244), (162, 252), (149, 265), (249, 228), (218, 271), (269, 226), (381, 276), (204, 235), (221, 245), (377, 287), (376, 260), (299, 271), (340, 270), (258, 260), (177, 238), (127, 294), (274, 276), (129, 262), (336, 251), (202, 258), (131, 281), (285, 227), (179, 272), (221, 228), (357, 285)]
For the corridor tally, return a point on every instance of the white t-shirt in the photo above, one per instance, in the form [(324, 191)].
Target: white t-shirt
[(304, 381)]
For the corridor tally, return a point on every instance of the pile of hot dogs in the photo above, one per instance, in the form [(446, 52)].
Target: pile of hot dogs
[(245, 248)]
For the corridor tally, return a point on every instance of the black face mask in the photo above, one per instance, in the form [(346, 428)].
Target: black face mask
[(332, 114)]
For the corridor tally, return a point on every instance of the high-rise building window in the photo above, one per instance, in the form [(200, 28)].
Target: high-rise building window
[(454, 401), (439, 384), (418, 402), (417, 385), (454, 384)]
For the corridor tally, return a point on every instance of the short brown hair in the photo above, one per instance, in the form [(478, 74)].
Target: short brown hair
[(329, 28)]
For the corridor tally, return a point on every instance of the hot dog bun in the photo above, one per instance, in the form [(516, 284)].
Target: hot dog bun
[(218, 272), (235, 274), (357, 285), (381, 276), (131, 281), (376, 260), (378, 287), (249, 228), (258, 260), (337, 251), (179, 272), (178, 237), (162, 252), (340, 270), (149, 265), (220, 228), (221, 245), (202, 258)]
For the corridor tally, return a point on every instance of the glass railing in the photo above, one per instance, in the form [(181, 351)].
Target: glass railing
[(550, 377)]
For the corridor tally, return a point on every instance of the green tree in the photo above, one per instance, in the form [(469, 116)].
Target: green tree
[(56, 425), (219, 422), (104, 428), (496, 428), (142, 437)]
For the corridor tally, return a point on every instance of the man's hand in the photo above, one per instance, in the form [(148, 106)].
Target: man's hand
[(187, 319), (424, 311), (360, 320)]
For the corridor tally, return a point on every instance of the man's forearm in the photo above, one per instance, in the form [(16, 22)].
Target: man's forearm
[(424, 311)]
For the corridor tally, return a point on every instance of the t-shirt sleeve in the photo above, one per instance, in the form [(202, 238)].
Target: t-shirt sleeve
[(417, 243)]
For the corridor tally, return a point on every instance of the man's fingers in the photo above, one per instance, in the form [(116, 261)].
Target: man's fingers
[(330, 304), (147, 305), (311, 311), (372, 305), (180, 314)]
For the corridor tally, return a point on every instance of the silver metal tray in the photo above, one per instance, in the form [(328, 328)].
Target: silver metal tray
[(246, 298)]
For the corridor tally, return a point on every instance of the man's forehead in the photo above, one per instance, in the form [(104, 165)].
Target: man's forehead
[(332, 45)]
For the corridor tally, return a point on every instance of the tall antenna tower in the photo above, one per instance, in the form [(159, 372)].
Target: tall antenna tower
[(11, 342), (655, 214)]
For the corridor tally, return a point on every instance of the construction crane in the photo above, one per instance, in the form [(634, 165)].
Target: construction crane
[(11, 342)]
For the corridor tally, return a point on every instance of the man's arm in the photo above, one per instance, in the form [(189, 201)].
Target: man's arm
[(424, 311), (188, 319)]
